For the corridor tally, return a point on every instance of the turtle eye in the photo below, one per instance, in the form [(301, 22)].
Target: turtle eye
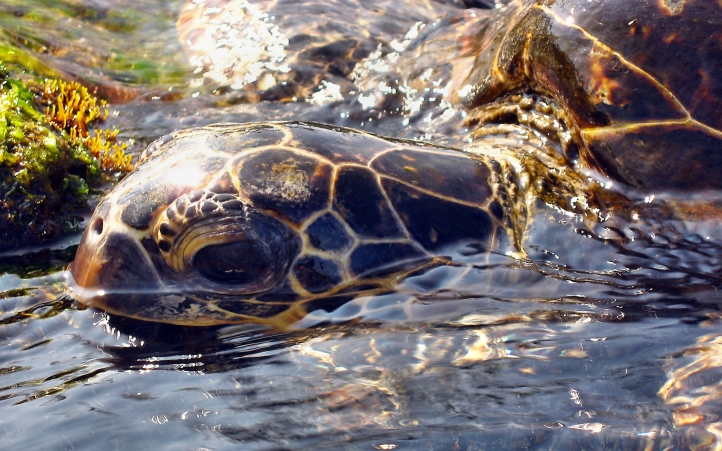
[(237, 263), (227, 252)]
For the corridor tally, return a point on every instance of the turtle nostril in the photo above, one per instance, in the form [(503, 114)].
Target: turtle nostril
[(98, 226)]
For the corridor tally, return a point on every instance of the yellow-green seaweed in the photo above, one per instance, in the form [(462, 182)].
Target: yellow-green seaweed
[(45, 168)]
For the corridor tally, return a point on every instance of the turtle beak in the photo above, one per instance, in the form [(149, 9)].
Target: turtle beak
[(118, 262), (88, 261), (110, 263), (86, 266), (109, 257)]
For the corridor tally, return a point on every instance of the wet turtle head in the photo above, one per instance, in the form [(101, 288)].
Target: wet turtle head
[(180, 230), (267, 222), (201, 244)]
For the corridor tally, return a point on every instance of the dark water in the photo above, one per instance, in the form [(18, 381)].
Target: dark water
[(606, 339)]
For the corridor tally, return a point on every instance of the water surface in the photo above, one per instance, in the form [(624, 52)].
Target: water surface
[(602, 340)]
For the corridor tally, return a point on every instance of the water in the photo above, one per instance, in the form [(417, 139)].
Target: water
[(569, 376), (604, 339)]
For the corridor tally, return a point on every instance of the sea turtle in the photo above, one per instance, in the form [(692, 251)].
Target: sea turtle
[(266, 222), (261, 222)]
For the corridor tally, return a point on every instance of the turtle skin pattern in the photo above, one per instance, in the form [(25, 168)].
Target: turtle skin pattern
[(636, 81), (267, 222)]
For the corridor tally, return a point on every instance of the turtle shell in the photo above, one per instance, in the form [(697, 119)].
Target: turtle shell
[(638, 80), (267, 222)]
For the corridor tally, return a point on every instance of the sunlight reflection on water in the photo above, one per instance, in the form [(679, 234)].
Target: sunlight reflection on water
[(592, 344)]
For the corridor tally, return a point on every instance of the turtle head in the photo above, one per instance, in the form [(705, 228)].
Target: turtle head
[(201, 245), (179, 233)]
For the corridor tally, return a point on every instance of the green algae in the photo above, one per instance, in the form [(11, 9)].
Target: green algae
[(50, 159), (19, 59), (43, 176)]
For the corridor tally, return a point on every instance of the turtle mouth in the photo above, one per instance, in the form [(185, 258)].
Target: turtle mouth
[(116, 264), (84, 268)]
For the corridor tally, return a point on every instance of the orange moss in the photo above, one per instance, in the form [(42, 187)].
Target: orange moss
[(73, 109)]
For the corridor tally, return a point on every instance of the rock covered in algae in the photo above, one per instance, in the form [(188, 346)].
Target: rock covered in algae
[(47, 159)]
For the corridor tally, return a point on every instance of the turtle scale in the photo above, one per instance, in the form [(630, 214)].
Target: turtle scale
[(229, 141), (382, 259), (328, 234), (294, 185), (317, 274), (349, 146), (427, 217), (629, 76), (470, 179), (666, 43), (290, 206), (361, 202)]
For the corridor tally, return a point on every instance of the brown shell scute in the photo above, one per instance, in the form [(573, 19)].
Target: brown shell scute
[(639, 69), (686, 158), (680, 51), (293, 184)]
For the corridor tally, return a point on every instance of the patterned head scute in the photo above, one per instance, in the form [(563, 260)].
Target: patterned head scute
[(293, 184), (362, 204), (316, 274), (327, 233)]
